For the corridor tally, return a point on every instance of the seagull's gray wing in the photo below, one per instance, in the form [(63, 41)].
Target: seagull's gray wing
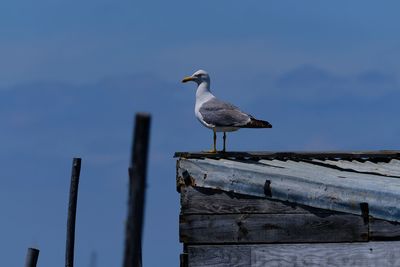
[(221, 114)]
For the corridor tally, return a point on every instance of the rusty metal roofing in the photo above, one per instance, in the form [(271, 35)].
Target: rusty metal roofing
[(339, 181)]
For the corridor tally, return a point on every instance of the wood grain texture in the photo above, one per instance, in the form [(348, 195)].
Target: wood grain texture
[(211, 201), (271, 228), (380, 168), (383, 230), (298, 182), (328, 254), (219, 256)]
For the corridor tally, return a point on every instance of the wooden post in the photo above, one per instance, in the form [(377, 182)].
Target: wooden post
[(32, 257), (137, 183), (73, 197)]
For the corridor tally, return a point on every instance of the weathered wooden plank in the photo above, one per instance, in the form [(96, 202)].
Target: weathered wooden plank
[(307, 167), (383, 230), (380, 168), (367, 254), (211, 201), (301, 183), (219, 256), (370, 155), (271, 228), (328, 254)]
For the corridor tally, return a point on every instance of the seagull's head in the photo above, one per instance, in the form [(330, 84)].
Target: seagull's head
[(199, 77)]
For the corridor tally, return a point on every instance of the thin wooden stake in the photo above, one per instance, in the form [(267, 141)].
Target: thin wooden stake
[(73, 198), (137, 183), (32, 257)]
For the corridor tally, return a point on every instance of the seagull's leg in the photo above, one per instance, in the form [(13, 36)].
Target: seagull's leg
[(215, 142), (223, 150)]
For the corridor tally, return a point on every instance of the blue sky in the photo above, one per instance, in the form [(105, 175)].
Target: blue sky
[(326, 75)]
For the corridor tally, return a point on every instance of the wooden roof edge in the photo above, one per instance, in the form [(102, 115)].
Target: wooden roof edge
[(349, 155)]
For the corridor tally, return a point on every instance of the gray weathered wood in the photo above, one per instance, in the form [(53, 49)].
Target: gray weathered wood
[(328, 254), (371, 155), (383, 230), (271, 228), (210, 201), (380, 168), (219, 256), (297, 182)]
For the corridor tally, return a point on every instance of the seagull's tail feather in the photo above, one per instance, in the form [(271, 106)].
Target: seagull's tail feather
[(254, 123)]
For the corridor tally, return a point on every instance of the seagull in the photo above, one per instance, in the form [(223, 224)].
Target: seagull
[(218, 115)]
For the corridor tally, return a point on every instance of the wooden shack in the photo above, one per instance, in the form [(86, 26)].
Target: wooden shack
[(289, 209)]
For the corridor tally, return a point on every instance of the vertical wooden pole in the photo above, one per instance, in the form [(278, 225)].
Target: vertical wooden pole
[(32, 257), (73, 198), (137, 183)]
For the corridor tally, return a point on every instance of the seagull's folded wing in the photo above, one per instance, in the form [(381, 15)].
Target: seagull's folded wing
[(221, 114)]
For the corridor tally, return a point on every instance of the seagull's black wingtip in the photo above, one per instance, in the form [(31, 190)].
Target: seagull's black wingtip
[(254, 123)]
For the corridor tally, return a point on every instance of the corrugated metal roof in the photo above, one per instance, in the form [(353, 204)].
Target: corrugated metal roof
[(327, 182)]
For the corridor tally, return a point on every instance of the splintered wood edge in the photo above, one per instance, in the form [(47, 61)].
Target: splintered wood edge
[(366, 155)]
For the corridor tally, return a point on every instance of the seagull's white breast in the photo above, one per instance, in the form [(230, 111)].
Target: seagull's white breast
[(203, 95), (198, 114)]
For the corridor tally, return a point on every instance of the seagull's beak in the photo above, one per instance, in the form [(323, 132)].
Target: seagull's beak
[(187, 79)]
